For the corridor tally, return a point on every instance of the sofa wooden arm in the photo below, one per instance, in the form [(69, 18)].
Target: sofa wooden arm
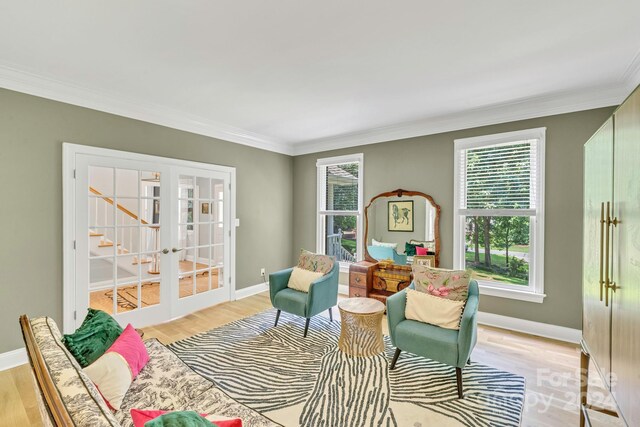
[(52, 400)]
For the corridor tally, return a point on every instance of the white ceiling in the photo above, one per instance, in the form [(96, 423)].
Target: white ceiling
[(298, 76)]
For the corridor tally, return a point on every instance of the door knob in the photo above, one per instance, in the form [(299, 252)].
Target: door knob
[(165, 251), (174, 250)]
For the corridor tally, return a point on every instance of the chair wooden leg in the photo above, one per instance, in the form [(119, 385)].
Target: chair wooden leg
[(330, 314), (459, 381), (306, 327), (395, 358), (277, 317)]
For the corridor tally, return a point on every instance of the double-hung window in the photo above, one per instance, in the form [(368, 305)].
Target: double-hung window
[(499, 212), (339, 223)]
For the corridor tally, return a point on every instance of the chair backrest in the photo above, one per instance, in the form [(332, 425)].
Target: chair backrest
[(473, 289)]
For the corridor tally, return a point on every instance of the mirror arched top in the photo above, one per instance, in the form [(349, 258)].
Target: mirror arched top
[(397, 217)]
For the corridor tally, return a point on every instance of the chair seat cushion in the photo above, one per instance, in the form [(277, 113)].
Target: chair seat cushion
[(428, 341), (291, 301), (167, 383)]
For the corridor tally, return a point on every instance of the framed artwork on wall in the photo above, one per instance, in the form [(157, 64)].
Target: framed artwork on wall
[(425, 260), (400, 215)]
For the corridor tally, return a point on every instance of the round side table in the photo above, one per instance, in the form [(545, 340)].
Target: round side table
[(361, 327)]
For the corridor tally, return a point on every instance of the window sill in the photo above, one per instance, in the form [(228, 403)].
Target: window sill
[(511, 293)]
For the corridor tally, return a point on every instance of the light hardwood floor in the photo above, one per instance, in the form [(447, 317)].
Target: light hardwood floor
[(550, 367)]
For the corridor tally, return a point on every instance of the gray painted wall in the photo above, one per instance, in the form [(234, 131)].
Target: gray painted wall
[(426, 164), (31, 134)]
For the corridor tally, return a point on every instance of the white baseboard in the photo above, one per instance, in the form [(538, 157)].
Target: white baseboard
[(13, 358), (252, 290), (546, 330), (343, 289)]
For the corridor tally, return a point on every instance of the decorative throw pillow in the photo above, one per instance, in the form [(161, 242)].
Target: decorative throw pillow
[(140, 417), (96, 334), (374, 242), (180, 419), (429, 244), (301, 279), (115, 370), (449, 284), (410, 249), (315, 262), (427, 308), (421, 251)]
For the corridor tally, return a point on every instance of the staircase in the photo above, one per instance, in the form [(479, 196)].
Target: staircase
[(101, 214)]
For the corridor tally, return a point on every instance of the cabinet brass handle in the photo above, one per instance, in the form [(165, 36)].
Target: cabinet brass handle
[(608, 283), (601, 281), (357, 279), (606, 260)]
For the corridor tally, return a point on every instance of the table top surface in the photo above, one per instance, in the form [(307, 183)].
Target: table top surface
[(361, 305)]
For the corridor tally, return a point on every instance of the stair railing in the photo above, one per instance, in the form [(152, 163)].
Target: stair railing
[(125, 217)]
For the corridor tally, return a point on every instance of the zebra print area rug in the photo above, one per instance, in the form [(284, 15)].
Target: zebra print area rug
[(299, 381)]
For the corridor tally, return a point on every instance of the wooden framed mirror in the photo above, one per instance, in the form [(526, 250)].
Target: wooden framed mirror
[(397, 218)]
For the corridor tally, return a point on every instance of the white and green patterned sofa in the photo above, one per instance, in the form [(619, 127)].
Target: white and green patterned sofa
[(68, 397)]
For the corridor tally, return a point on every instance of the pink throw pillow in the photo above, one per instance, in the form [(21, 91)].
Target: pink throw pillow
[(116, 369), (421, 251), (140, 417), (130, 346)]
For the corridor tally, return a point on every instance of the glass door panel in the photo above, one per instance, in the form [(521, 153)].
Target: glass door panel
[(119, 252), (202, 237)]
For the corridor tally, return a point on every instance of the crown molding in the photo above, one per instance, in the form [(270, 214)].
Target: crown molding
[(57, 90), (529, 108), (631, 76)]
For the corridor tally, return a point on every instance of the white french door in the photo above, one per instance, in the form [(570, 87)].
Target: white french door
[(202, 233), (152, 237)]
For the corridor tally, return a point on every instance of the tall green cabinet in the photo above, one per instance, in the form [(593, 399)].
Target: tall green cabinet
[(611, 261)]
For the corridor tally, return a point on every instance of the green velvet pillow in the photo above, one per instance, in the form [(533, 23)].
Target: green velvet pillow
[(410, 249), (180, 419), (93, 338)]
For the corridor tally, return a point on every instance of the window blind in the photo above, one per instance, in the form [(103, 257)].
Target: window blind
[(341, 187), (499, 176)]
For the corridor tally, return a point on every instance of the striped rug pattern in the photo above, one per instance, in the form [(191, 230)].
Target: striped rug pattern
[(299, 381)]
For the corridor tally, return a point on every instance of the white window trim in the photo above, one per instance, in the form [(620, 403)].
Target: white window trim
[(321, 199), (535, 292)]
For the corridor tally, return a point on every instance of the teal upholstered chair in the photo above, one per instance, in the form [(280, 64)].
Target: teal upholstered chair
[(323, 295), (444, 345)]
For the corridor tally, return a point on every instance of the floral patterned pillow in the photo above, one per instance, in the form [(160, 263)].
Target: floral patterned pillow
[(315, 262), (449, 284)]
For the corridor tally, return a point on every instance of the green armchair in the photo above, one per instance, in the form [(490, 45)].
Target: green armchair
[(444, 345), (323, 295)]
